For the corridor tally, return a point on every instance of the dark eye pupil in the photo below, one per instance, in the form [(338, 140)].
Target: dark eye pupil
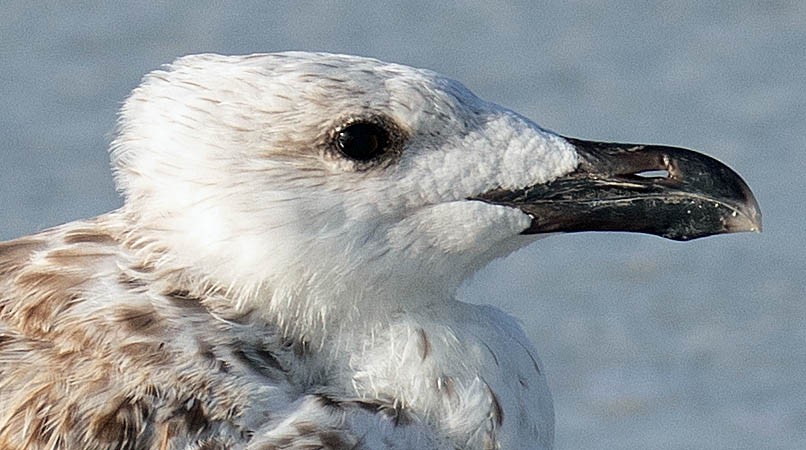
[(362, 141)]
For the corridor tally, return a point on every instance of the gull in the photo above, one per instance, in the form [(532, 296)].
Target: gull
[(282, 274)]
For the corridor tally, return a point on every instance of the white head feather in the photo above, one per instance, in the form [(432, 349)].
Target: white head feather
[(230, 160)]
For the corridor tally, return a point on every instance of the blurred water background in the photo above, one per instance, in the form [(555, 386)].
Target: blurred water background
[(648, 343)]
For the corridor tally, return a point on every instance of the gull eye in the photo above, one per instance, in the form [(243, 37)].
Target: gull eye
[(362, 141)]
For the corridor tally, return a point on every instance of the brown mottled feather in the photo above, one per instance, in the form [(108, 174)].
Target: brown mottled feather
[(76, 372), (99, 349)]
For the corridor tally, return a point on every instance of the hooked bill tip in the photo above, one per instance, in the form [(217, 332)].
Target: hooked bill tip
[(748, 220)]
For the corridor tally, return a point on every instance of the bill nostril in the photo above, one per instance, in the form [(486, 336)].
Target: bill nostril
[(653, 174)]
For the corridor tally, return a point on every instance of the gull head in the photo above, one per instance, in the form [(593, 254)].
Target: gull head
[(333, 175)]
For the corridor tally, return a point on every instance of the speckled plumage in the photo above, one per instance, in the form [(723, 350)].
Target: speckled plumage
[(100, 348)]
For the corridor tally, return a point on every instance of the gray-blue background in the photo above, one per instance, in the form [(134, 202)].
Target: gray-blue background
[(648, 343)]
